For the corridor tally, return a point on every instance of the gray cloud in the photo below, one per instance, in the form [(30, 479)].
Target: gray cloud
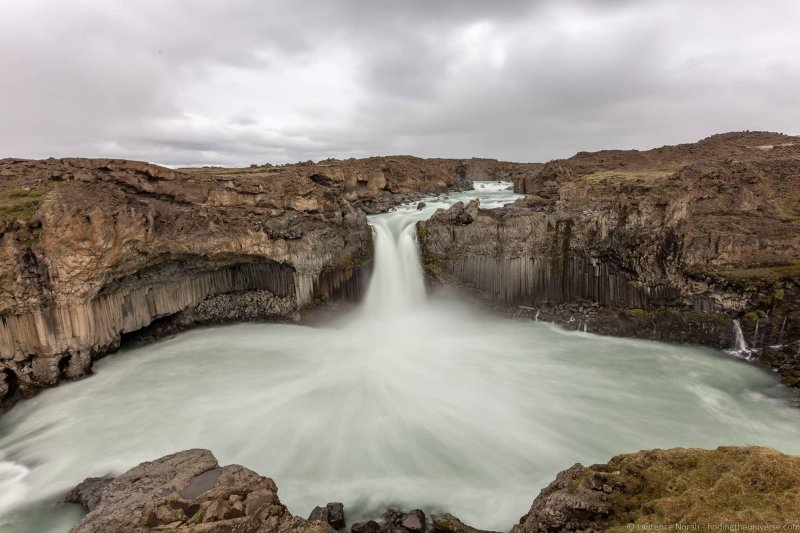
[(203, 82)]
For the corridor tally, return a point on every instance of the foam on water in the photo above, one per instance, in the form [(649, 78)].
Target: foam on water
[(408, 401), (12, 484)]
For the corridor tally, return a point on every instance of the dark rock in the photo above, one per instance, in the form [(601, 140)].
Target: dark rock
[(414, 521), (421, 206), (332, 514), (88, 491), (448, 523), (336, 515), (393, 516), (370, 526), (149, 497), (319, 513)]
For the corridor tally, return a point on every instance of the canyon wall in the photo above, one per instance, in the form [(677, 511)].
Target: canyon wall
[(630, 246), (102, 248)]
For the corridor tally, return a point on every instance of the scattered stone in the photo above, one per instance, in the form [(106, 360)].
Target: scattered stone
[(319, 513), (421, 206), (332, 514), (370, 526), (414, 521), (448, 523), (336, 515)]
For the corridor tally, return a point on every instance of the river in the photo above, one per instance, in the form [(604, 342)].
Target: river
[(409, 400)]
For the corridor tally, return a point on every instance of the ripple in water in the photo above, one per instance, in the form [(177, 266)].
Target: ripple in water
[(409, 401)]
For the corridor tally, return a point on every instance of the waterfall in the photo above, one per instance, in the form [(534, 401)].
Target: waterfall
[(397, 285), (740, 348)]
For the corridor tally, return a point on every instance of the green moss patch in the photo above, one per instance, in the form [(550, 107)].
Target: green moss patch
[(20, 204), (770, 274)]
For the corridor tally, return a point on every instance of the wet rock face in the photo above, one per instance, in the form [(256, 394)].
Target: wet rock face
[(186, 491), (669, 244)]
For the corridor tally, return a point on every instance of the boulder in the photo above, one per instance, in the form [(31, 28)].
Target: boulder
[(370, 526), (332, 514), (414, 521), (186, 491), (448, 523)]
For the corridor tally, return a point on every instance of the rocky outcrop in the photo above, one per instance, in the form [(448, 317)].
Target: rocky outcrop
[(186, 491), (110, 247), (376, 184), (662, 254), (189, 491), (688, 487)]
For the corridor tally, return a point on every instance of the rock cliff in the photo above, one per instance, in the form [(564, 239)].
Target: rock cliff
[(670, 244), (93, 249)]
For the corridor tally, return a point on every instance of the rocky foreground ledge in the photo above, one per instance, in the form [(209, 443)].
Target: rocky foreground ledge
[(189, 491)]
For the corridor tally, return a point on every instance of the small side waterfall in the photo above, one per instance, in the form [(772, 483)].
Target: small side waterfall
[(740, 347)]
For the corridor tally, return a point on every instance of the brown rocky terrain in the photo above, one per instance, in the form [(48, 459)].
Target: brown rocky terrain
[(696, 489), (376, 184), (670, 244), (189, 491), (186, 491), (91, 250)]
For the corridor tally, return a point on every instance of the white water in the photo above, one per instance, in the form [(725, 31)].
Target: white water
[(740, 347), (408, 401)]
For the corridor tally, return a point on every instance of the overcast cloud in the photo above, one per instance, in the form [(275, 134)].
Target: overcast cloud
[(235, 82)]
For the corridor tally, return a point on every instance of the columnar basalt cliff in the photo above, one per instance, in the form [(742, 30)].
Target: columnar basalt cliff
[(670, 244), (94, 249)]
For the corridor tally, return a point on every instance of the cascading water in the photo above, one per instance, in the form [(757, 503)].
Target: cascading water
[(409, 401), (397, 286), (740, 347)]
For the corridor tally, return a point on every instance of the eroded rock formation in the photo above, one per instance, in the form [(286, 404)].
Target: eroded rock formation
[(635, 244), (376, 184), (186, 491), (108, 247)]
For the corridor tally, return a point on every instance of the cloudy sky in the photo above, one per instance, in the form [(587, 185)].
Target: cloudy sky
[(190, 82)]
